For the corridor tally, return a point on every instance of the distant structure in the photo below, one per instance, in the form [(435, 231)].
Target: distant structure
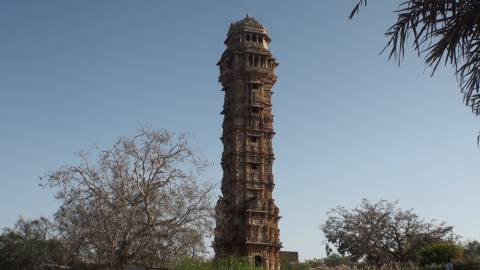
[(247, 218), (289, 257)]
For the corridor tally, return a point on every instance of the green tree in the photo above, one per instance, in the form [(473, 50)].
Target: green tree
[(232, 263), (334, 260), (193, 264), (286, 265), (472, 251), (314, 263), (445, 31), (439, 253), (30, 244)]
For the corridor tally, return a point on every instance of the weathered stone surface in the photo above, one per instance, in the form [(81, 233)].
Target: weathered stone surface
[(247, 218)]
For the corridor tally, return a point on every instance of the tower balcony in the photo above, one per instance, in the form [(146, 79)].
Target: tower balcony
[(259, 101), (257, 205), (254, 71), (257, 152), (254, 101), (262, 243), (261, 70), (256, 149), (251, 44), (267, 123), (264, 178), (260, 185), (228, 75), (262, 233), (253, 148), (254, 176)]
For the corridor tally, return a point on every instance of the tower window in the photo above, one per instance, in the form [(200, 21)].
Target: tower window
[(254, 166), (258, 261), (254, 139), (255, 86), (255, 110)]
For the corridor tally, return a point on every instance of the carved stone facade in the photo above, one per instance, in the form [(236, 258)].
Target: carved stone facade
[(247, 218)]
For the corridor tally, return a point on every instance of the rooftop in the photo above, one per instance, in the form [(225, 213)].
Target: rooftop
[(247, 24)]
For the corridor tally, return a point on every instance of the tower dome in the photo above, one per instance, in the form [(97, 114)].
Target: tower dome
[(247, 25)]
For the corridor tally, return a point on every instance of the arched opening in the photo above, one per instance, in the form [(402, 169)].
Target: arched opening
[(258, 261)]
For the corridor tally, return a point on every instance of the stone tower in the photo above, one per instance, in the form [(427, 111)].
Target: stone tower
[(247, 218)]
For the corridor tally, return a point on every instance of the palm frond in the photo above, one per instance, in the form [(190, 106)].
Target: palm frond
[(356, 9), (444, 31)]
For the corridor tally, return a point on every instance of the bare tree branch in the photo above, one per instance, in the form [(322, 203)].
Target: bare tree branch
[(137, 200)]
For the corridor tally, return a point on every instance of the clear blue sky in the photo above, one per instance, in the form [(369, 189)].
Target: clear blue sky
[(349, 124)]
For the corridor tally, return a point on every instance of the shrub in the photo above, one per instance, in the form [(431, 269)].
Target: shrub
[(334, 260), (193, 264), (440, 253), (231, 263)]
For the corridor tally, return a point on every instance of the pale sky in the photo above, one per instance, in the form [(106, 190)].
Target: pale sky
[(349, 124)]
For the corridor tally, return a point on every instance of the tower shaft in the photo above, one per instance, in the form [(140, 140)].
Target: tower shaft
[(247, 218)]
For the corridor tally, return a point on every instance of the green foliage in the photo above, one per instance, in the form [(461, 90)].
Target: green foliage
[(285, 265), (294, 266), (472, 251), (231, 263), (335, 260), (315, 262), (28, 246), (443, 31), (192, 264), (440, 253)]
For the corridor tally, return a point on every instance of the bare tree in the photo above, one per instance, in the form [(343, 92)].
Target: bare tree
[(379, 233), (444, 31), (140, 202)]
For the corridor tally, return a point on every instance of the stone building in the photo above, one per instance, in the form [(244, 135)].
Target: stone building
[(289, 257), (247, 218)]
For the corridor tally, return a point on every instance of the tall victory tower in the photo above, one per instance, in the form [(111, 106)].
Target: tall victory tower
[(247, 218)]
